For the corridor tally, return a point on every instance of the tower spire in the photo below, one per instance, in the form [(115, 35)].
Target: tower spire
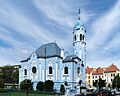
[(79, 14)]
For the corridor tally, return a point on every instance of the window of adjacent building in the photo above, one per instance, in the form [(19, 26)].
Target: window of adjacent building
[(66, 70), (88, 77), (34, 69), (25, 71), (114, 75), (89, 81), (50, 70), (99, 76), (111, 75), (93, 77), (78, 70)]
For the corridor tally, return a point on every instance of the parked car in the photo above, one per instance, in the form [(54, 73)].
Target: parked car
[(117, 92)]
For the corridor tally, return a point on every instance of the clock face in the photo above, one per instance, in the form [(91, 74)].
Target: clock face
[(83, 44)]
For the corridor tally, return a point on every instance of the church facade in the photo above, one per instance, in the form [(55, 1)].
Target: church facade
[(49, 62)]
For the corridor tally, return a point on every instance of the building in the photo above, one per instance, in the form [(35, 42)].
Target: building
[(106, 73), (49, 62)]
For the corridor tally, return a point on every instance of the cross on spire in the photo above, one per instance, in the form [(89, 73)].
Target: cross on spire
[(79, 11), (79, 14)]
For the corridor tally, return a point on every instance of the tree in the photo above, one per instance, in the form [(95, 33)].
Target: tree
[(116, 82), (1, 83), (26, 85), (49, 85), (9, 74), (15, 76), (99, 83), (62, 89), (40, 86)]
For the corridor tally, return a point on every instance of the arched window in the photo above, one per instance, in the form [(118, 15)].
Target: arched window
[(78, 70), (34, 69), (25, 71), (80, 36), (75, 37), (66, 70), (83, 37), (50, 70)]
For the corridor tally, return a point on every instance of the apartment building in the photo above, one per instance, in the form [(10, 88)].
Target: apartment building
[(105, 73)]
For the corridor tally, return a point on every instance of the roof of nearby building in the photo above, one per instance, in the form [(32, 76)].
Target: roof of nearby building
[(71, 58), (89, 70), (47, 51), (111, 68), (96, 71)]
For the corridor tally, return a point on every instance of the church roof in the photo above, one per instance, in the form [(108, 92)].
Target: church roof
[(47, 51), (70, 58)]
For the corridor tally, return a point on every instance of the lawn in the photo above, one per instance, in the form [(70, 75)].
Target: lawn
[(23, 94)]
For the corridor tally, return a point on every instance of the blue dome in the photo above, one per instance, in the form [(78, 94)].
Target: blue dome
[(78, 25)]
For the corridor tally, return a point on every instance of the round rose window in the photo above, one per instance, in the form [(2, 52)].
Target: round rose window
[(34, 70)]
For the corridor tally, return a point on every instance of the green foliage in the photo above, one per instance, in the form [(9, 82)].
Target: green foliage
[(13, 88), (62, 89), (99, 83), (49, 85), (40, 86), (26, 85), (95, 83), (1, 83), (116, 82), (15, 76), (9, 74)]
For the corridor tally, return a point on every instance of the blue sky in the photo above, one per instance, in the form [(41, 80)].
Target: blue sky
[(25, 25)]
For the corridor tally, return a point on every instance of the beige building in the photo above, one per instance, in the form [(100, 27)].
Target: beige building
[(106, 73)]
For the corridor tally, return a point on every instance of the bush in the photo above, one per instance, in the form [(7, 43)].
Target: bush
[(40, 86), (26, 85), (49, 85), (62, 89), (13, 88)]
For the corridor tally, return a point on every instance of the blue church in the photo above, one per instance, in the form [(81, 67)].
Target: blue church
[(49, 62)]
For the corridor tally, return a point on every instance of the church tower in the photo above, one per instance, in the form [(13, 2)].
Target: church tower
[(79, 45)]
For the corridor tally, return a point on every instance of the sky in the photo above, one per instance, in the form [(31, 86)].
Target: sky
[(25, 25)]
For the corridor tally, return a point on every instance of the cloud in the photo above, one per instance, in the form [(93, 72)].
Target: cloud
[(27, 25), (56, 11), (103, 42), (104, 27), (104, 62), (14, 21)]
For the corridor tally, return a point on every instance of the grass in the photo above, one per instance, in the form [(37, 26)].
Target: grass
[(23, 94)]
